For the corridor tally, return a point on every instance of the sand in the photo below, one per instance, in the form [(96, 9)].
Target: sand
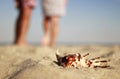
[(37, 62)]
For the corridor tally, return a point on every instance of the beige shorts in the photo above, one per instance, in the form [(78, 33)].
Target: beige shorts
[(25, 3), (54, 7)]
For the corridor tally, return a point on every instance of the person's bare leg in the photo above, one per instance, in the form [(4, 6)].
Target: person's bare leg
[(22, 26), (46, 27), (54, 30)]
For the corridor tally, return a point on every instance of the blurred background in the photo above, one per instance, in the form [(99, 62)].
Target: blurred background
[(86, 22)]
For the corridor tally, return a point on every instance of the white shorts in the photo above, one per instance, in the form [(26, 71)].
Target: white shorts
[(54, 7)]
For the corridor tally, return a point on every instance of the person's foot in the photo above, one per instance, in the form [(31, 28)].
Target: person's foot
[(45, 40), (51, 44), (21, 43)]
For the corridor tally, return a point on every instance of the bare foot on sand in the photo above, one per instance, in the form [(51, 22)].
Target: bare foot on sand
[(52, 43), (45, 40), (21, 43)]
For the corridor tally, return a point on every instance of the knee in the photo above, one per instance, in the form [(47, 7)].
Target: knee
[(54, 18), (47, 18), (26, 13)]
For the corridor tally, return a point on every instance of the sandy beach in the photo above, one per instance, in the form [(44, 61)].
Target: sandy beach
[(38, 62)]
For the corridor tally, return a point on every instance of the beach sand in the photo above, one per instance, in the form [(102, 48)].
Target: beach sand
[(38, 62)]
